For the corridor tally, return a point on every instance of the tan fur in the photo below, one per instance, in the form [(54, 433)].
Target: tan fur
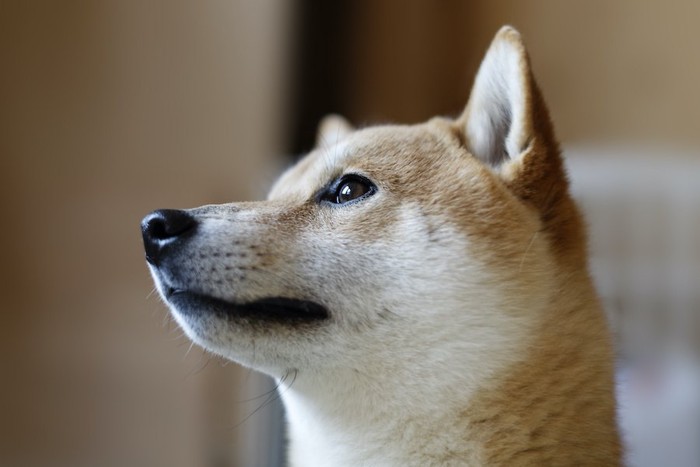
[(557, 406), (466, 330)]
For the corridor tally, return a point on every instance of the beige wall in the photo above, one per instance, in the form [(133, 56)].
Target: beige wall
[(108, 110), (624, 70)]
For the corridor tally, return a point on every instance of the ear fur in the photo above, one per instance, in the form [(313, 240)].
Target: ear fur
[(498, 117), (332, 129), (506, 125)]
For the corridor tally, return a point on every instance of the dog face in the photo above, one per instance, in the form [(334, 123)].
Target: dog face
[(426, 241)]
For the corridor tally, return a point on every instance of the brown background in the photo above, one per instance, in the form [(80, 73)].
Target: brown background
[(109, 109)]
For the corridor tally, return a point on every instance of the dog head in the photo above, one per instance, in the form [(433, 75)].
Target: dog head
[(428, 241)]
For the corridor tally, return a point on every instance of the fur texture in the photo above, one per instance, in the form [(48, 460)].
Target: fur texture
[(463, 328)]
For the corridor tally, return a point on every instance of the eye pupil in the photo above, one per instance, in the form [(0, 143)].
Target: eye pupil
[(349, 191), (351, 188)]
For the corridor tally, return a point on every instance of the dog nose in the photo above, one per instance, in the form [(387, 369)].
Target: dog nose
[(161, 228)]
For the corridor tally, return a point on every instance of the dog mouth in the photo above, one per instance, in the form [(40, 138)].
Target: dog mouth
[(270, 309)]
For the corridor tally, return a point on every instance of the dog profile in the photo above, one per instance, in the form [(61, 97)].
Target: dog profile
[(426, 285)]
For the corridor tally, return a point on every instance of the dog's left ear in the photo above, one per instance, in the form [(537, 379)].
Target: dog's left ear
[(506, 123), (332, 129)]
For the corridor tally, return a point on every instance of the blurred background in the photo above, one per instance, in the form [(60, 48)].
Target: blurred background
[(112, 108)]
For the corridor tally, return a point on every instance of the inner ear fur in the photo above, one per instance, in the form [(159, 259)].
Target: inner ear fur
[(506, 123), (332, 129), (497, 119)]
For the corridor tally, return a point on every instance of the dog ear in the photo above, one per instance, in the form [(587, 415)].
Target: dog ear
[(506, 123), (332, 129), (498, 117)]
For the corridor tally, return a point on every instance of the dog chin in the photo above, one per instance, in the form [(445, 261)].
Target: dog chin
[(256, 334)]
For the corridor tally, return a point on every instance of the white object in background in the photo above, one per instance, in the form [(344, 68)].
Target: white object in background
[(643, 211)]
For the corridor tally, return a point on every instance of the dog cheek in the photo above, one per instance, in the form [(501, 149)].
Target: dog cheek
[(326, 268)]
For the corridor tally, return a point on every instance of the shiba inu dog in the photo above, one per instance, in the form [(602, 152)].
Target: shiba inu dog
[(425, 288)]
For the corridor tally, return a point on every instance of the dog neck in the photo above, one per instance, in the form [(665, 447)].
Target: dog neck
[(348, 419), (554, 406)]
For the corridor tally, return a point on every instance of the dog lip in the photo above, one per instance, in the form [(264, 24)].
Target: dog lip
[(268, 309)]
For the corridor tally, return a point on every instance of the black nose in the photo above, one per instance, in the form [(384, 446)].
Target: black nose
[(162, 228)]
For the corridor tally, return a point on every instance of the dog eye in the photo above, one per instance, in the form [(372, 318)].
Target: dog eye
[(349, 188)]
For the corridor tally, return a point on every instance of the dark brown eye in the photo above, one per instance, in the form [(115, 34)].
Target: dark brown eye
[(349, 188)]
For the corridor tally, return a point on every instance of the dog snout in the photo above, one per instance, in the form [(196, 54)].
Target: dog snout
[(162, 228)]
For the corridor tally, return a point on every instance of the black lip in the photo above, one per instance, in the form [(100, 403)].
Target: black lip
[(272, 309)]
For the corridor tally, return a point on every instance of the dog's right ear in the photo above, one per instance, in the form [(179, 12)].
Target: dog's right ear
[(506, 124), (332, 129), (498, 120)]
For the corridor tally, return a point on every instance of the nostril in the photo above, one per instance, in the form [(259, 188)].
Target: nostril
[(163, 226), (168, 223), (156, 228)]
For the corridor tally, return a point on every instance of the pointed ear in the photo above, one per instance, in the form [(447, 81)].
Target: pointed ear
[(498, 120), (332, 129), (506, 124)]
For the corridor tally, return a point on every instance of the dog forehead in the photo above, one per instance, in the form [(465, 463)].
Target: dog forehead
[(428, 161), (312, 172), (396, 152), (389, 145)]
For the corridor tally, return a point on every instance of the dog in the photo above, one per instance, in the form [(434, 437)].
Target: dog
[(420, 292)]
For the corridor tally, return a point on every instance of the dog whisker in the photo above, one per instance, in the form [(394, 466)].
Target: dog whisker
[(274, 395), (529, 245), (150, 294), (266, 393), (207, 358), (188, 350)]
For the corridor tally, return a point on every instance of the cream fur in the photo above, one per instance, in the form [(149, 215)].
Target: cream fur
[(463, 328)]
